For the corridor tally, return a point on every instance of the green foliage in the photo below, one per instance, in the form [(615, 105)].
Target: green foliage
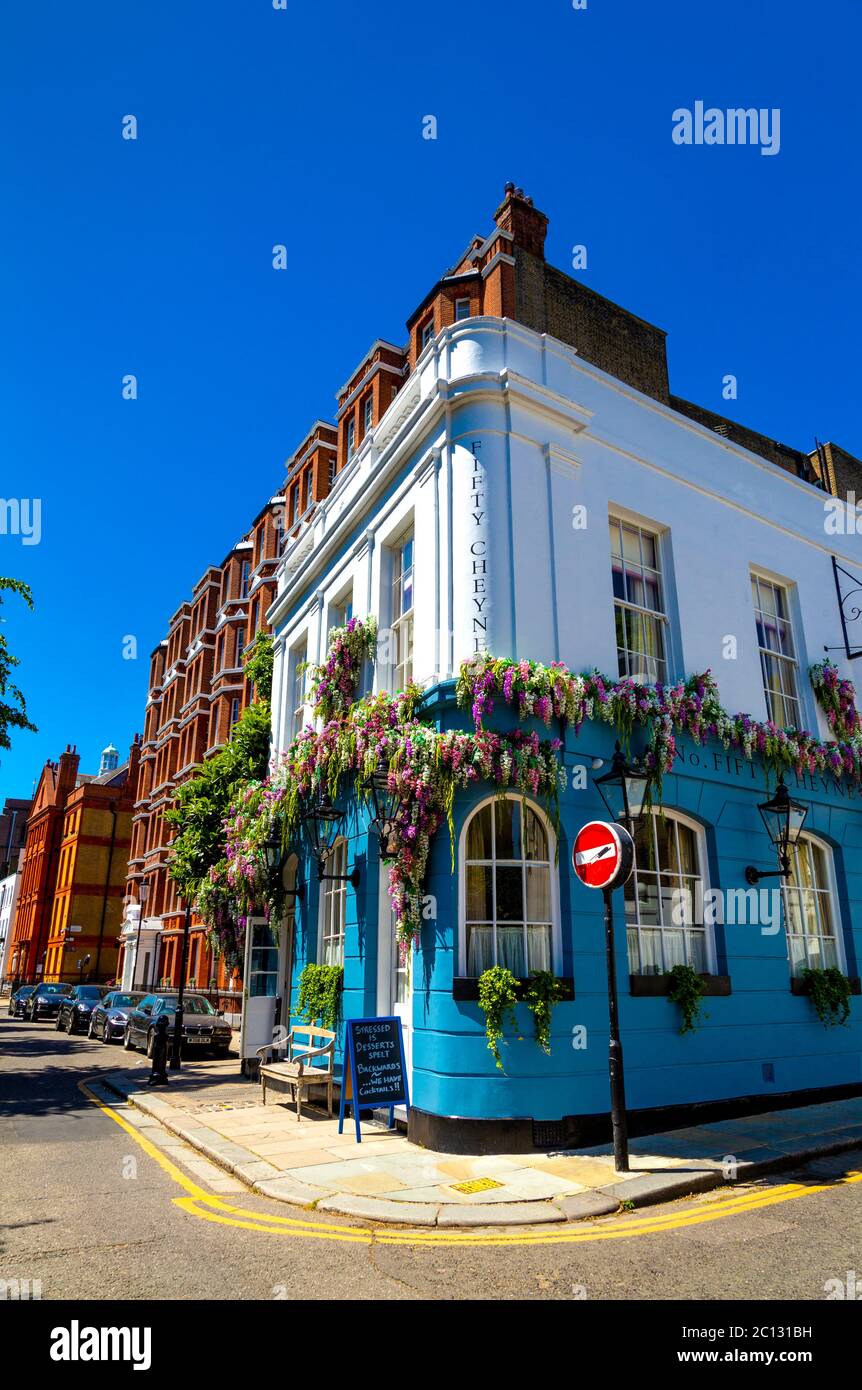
[(497, 998), (320, 995), (13, 713), (543, 991), (830, 994), (258, 660), (687, 989), (202, 804)]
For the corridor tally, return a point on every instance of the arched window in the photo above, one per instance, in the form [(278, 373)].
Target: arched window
[(665, 897), (811, 916), (508, 890), (332, 908)]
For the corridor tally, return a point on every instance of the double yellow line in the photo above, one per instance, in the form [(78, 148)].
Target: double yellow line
[(208, 1207)]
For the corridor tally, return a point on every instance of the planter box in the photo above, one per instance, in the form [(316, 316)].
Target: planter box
[(799, 986), (467, 987), (658, 986)]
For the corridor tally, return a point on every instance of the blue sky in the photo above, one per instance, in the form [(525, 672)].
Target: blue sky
[(304, 127)]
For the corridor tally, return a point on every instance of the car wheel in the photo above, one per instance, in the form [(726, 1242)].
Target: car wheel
[(70, 1026), (91, 1030), (127, 1040), (106, 1032)]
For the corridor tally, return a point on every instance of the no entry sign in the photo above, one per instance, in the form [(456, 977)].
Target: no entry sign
[(603, 854)]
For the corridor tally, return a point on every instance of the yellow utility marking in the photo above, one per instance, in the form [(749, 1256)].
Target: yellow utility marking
[(208, 1207), (476, 1185)]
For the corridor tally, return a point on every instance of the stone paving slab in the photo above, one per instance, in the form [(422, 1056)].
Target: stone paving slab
[(387, 1179)]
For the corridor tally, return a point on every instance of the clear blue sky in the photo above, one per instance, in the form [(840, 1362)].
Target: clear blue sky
[(303, 126)]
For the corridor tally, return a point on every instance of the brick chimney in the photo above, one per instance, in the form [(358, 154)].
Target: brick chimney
[(528, 226)]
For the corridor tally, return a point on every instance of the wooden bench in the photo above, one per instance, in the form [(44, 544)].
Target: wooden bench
[(296, 1070)]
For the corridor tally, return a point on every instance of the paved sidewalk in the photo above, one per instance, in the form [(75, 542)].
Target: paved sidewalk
[(388, 1179)]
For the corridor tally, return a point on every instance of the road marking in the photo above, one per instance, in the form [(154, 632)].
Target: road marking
[(208, 1207)]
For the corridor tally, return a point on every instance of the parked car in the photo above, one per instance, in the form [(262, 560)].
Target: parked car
[(203, 1028), (19, 999), (44, 1002), (77, 1006), (109, 1016)]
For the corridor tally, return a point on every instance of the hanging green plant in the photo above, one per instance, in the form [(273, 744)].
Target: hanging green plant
[(543, 991), (687, 990), (320, 995), (497, 997), (830, 994)]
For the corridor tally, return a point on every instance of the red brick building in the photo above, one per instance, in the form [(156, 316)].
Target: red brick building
[(73, 869), (198, 689)]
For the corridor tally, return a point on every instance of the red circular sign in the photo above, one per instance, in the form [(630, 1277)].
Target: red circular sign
[(603, 854)]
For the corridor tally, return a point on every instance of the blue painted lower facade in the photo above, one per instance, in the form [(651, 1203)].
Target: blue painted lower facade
[(759, 1040)]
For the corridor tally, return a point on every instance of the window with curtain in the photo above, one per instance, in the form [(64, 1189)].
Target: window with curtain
[(298, 659), (333, 903), (402, 611), (639, 607), (778, 661), (811, 916), (664, 898), (508, 900)]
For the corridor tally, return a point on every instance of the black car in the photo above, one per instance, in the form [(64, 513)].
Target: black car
[(109, 1016), (77, 1006), (19, 999), (45, 1002), (203, 1028)]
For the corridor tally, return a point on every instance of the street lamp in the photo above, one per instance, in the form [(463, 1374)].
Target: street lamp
[(274, 853), (623, 789), (385, 803), (784, 819), (143, 894), (321, 822)]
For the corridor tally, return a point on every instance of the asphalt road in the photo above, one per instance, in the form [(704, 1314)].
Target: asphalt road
[(89, 1213)]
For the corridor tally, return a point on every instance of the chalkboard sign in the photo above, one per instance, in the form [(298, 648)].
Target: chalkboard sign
[(374, 1072)]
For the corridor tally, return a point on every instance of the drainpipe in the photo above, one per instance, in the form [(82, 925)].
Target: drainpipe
[(112, 807)]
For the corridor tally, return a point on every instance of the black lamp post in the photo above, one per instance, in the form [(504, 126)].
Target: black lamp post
[(321, 822), (385, 804), (784, 819), (623, 790)]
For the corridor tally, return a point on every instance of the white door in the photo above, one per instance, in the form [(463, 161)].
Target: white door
[(395, 982)]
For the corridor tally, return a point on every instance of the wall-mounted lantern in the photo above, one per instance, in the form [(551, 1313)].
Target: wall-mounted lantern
[(623, 790), (321, 822), (784, 819)]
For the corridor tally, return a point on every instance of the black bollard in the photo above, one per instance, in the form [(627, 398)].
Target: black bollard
[(158, 1075)]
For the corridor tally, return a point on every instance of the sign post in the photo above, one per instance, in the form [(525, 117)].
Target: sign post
[(603, 857), (374, 1072)]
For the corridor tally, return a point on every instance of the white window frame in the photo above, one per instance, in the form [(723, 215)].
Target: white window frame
[(459, 305), (660, 617), (786, 665), (426, 334), (402, 624), (338, 614), (297, 685), (830, 891), (368, 413), (351, 437), (678, 817), (333, 906), (553, 872)]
